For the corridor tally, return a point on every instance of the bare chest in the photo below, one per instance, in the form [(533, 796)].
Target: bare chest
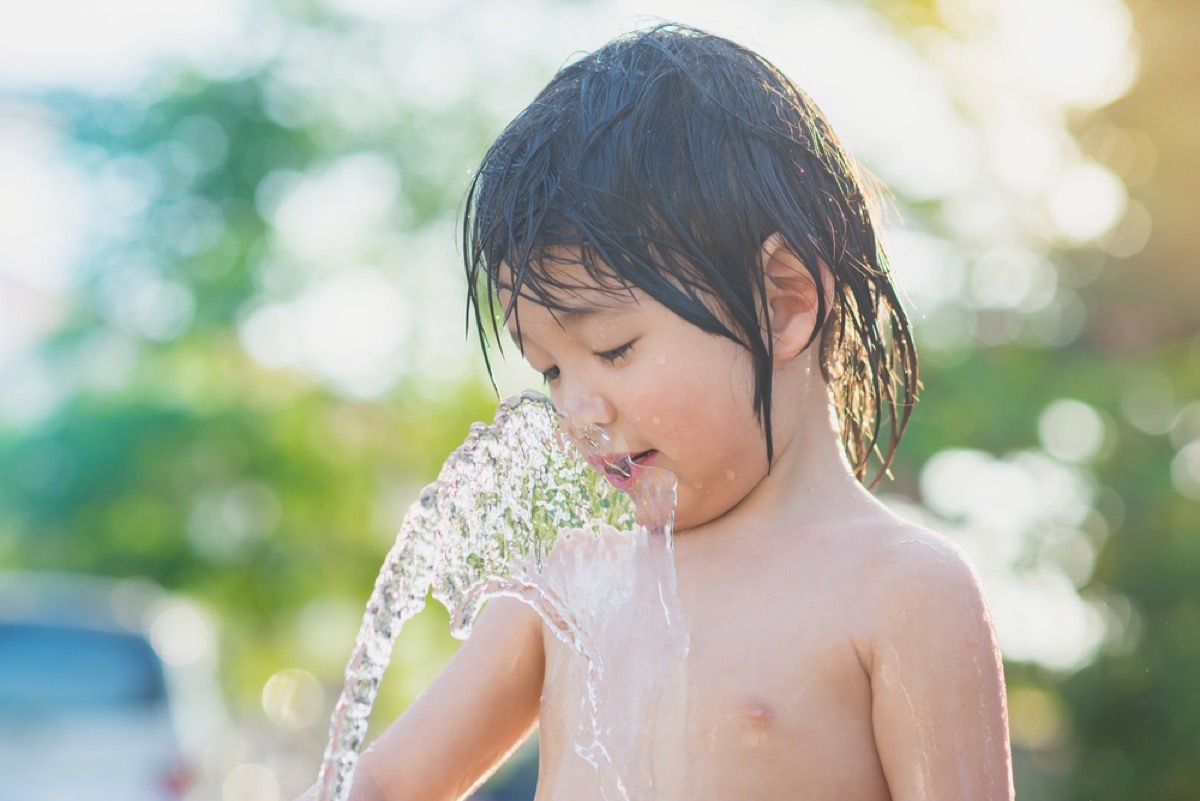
[(777, 705)]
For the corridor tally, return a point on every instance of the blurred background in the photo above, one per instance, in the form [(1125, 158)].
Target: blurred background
[(233, 346)]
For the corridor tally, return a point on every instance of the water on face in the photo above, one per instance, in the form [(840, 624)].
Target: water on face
[(516, 511)]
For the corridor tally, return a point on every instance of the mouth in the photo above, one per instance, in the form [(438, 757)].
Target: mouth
[(619, 469)]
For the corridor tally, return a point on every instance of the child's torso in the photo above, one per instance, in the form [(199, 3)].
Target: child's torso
[(778, 701)]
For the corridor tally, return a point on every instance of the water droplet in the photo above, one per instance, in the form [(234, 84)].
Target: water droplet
[(730, 475), (662, 358), (656, 420)]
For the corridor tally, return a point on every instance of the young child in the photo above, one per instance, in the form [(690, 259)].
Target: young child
[(675, 240)]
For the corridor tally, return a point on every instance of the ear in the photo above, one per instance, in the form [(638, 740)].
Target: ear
[(791, 297)]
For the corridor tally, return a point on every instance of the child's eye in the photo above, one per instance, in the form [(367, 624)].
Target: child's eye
[(610, 356)]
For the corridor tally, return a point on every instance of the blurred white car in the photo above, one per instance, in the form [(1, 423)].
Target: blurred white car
[(106, 690)]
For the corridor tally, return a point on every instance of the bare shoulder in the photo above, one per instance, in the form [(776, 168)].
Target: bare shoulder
[(936, 676), (909, 558), (922, 586)]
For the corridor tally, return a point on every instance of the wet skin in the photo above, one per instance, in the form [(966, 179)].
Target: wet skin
[(807, 686), (838, 652)]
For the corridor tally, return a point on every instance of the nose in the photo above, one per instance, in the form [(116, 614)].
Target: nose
[(584, 405)]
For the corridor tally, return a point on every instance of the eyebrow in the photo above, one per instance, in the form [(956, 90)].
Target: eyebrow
[(572, 315), (577, 313)]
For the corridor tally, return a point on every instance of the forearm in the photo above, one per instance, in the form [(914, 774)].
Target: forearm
[(363, 785), (480, 707)]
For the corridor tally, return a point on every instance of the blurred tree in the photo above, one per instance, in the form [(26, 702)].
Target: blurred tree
[(177, 456), (1126, 725), (1136, 712)]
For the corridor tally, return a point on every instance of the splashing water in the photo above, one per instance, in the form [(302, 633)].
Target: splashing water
[(516, 511)]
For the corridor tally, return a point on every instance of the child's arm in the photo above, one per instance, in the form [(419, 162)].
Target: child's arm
[(480, 708), (937, 684)]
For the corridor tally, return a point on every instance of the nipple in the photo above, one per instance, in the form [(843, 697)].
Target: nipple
[(759, 718), (759, 714)]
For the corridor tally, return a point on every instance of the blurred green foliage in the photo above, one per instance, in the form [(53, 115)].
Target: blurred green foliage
[(254, 490), (271, 497)]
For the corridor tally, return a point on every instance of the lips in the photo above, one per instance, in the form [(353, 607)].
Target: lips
[(620, 469)]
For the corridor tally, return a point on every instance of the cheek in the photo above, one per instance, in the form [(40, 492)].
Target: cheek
[(653, 406), (722, 383), (698, 401)]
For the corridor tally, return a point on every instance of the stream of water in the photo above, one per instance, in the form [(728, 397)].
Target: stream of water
[(517, 511)]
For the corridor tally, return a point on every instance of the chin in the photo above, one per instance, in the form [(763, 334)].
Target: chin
[(686, 521), (696, 508)]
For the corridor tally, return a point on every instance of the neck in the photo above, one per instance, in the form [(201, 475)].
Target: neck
[(810, 479)]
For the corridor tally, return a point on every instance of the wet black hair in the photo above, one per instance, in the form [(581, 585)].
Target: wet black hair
[(663, 161)]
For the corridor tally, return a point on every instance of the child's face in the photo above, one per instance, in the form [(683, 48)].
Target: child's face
[(667, 393)]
